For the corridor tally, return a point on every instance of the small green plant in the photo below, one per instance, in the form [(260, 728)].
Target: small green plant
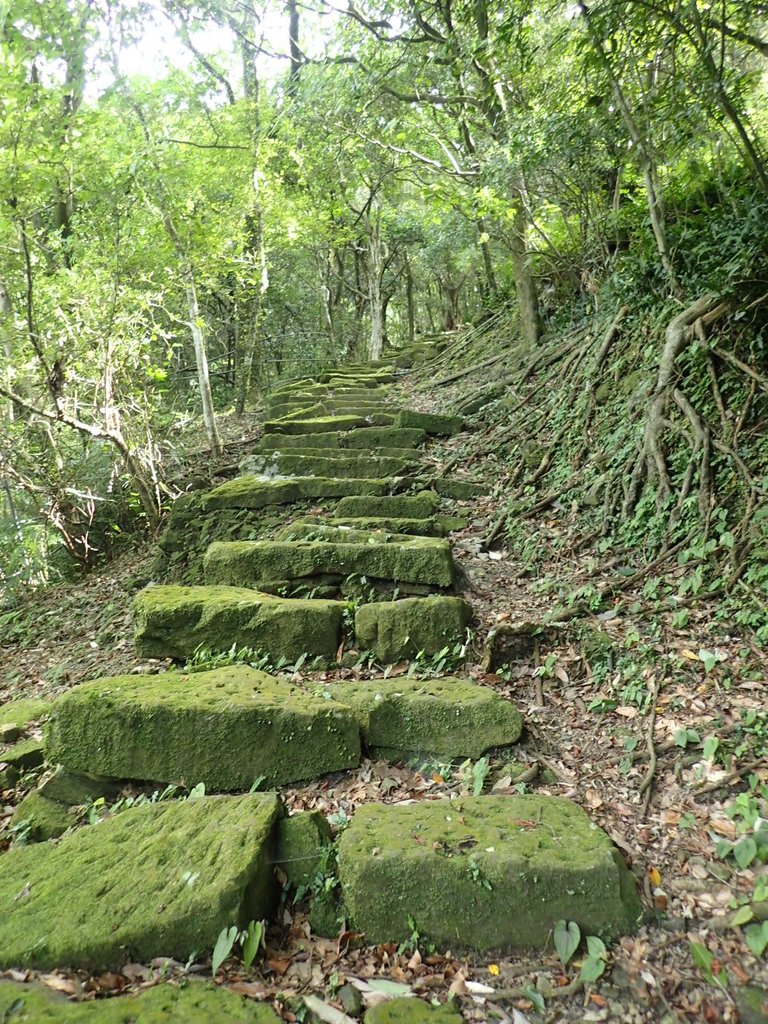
[(475, 775), (251, 939), (708, 964), (567, 939), (448, 659), (476, 874)]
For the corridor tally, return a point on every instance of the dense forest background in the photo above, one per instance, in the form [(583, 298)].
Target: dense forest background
[(200, 199)]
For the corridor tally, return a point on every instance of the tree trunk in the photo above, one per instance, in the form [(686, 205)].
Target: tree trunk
[(409, 300), (525, 285), (375, 273)]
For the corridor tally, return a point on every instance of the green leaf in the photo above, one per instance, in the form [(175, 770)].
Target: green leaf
[(596, 948), (567, 939), (708, 659), (742, 916), (197, 791), (710, 747), (224, 946), (254, 937), (701, 957), (756, 936), (390, 988), (745, 851), (591, 969)]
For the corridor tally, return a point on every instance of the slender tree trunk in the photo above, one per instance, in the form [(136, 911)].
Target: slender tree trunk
[(375, 273), (525, 285), (6, 336), (409, 300)]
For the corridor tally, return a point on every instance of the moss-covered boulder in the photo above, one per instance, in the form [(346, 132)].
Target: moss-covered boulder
[(339, 467), (157, 880), (191, 1003), (412, 1011), (430, 422), (76, 788), (415, 560), (394, 630), (173, 622), (23, 711), (257, 491), (303, 842), (44, 818), (403, 718), (483, 872), (393, 506), (225, 728)]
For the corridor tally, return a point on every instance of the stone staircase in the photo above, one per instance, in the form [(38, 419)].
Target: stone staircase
[(164, 880)]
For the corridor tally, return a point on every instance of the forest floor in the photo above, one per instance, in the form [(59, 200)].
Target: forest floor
[(618, 707)]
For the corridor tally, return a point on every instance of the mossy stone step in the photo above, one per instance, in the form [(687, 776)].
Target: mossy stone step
[(370, 378), (173, 622), (432, 423), (413, 527), (157, 880), (409, 455), (278, 405), (449, 718), (44, 818), (397, 630), (482, 873), (458, 490), (378, 413), (416, 560), (367, 438), (342, 466), (257, 492), (226, 728), (196, 1002), (318, 529), (322, 424), (395, 506)]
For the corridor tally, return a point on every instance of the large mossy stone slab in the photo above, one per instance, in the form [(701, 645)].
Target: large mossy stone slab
[(483, 872), (338, 467), (414, 560), (369, 438), (25, 754), (314, 529), (225, 728), (157, 880), (304, 842), (258, 492), (173, 622), (400, 506), (394, 630), (450, 718), (374, 409), (194, 1003), (432, 423)]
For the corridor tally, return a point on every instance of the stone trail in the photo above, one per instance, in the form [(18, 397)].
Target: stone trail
[(163, 880)]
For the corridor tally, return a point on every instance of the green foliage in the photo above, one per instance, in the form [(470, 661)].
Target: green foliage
[(250, 939)]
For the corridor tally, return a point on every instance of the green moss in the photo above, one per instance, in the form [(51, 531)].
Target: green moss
[(412, 1011), (225, 728), (442, 717), (395, 630), (172, 622), (483, 873), (157, 880), (22, 755), (430, 422), (256, 492), (329, 531), (338, 467), (318, 425), (414, 560), (326, 913), (333, 455), (191, 1003), (377, 411), (48, 819), (302, 843), (400, 506), (22, 712), (369, 438)]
